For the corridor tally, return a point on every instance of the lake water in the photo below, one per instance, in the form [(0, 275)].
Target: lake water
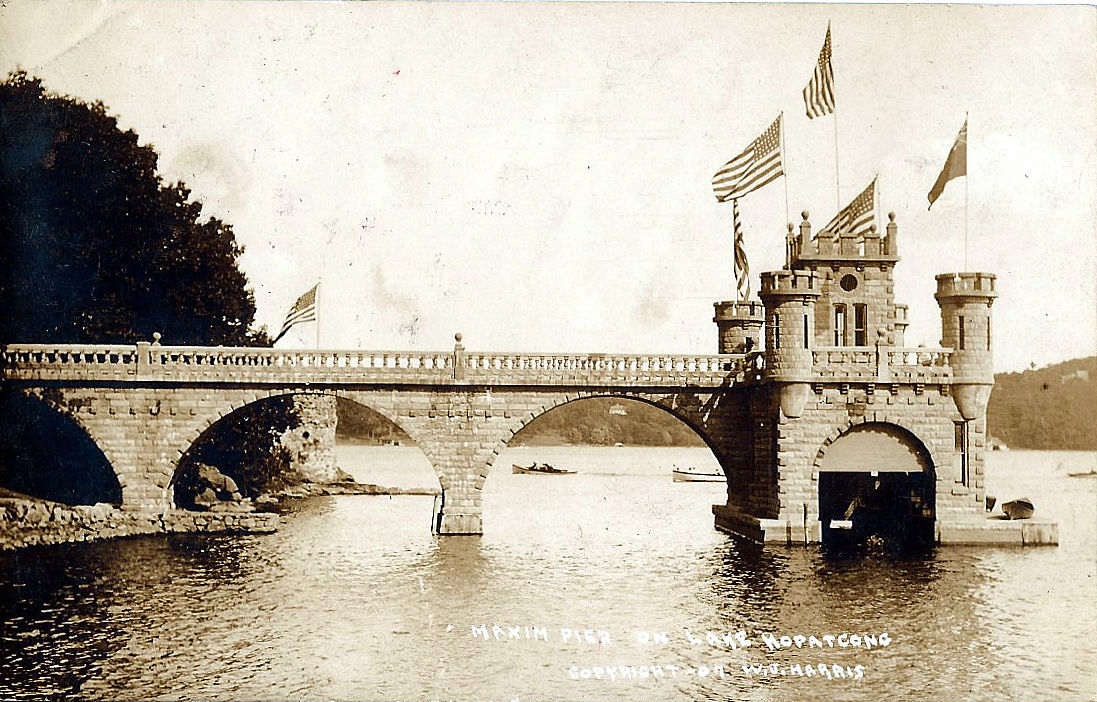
[(354, 599)]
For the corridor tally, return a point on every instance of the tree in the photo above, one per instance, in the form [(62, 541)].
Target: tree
[(94, 246)]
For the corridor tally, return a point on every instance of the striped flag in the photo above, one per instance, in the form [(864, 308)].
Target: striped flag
[(742, 268), (955, 165), (819, 93), (758, 165), (304, 310), (855, 217)]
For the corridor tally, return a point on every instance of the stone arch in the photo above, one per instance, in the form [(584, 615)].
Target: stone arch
[(99, 481), (659, 401), (930, 451), (232, 403)]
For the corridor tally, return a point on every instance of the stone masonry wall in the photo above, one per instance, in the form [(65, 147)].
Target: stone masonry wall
[(144, 431), (35, 523), (311, 443), (928, 414)]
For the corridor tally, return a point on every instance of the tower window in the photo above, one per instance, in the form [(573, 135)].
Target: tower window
[(961, 448), (776, 331), (805, 331), (988, 333), (839, 325), (860, 325), (960, 331)]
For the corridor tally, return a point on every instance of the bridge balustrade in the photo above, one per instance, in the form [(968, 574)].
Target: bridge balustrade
[(153, 362)]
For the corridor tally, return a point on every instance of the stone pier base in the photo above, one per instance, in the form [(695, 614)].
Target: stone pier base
[(985, 532)]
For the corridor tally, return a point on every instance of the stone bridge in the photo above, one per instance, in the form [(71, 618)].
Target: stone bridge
[(144, 406)]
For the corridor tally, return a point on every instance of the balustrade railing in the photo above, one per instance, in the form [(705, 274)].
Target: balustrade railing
[(154, 362)]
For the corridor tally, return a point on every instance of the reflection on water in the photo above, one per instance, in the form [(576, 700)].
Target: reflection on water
[(354, 599)]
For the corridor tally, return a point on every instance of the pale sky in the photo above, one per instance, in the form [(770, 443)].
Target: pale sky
[(537, 176)]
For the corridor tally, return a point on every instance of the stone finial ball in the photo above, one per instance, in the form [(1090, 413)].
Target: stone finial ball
[(872, 227), (790, 227), (891, 216), (156, 337), (804, 214), (881, 332), (457, 337)]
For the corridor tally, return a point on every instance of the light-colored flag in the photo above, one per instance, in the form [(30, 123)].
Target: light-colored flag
[(955, 165), (758, 165), (855, 217), (819, 93), (304, 310)]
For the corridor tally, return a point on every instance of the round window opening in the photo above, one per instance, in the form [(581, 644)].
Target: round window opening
[(848, 282), (306, 434)]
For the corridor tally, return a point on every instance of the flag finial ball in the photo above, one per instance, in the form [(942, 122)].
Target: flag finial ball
[(891, 216), (804, 214), (457, 337)]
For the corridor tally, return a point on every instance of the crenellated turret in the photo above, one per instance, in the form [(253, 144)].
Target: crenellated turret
[(739, 325), (965, 300), (789, 297)]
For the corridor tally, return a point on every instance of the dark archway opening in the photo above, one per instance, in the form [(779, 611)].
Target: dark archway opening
[(46, 455), (877, 489), (620, 454), (240, 456)]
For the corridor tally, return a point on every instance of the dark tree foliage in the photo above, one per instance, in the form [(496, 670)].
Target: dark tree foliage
[(94, 247)]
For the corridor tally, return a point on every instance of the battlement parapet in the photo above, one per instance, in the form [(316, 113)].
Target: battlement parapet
[(739, 310), (848, 247), (882, 364), (792, 283), (966, 285)]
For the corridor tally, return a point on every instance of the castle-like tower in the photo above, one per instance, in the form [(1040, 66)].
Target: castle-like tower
[(850, 431)]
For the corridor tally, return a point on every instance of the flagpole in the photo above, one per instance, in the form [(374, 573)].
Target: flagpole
[(834, 93), (317, 313), (788, 217), (967, 179), (734, 258)]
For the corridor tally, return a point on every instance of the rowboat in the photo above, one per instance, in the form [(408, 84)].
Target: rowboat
[(1086, 474), (540, 469), (696, 475), (1018, 509)]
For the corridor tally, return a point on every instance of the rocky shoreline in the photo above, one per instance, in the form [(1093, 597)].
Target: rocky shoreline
[(26, 521)]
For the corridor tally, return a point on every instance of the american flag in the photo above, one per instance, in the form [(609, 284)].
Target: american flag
[(855, 217), (304, 310), (757, 166), (819, 93), (742, 268)]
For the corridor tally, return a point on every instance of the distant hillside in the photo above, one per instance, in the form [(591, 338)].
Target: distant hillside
[(1046, 408), (605, 421)]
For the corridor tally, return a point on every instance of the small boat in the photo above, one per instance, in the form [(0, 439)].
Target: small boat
[(540, 469), (1085, 474), (696, 475), (1018, 509)]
